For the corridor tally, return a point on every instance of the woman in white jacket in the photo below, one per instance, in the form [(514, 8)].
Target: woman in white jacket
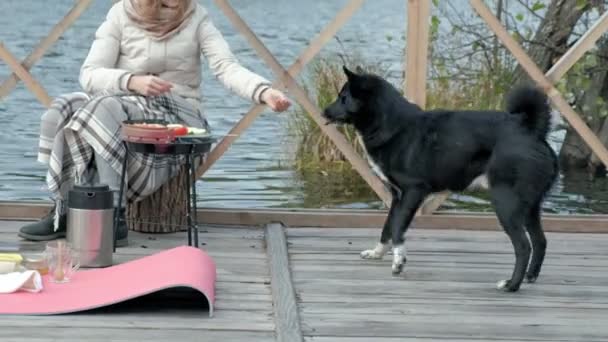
[(145, 63)]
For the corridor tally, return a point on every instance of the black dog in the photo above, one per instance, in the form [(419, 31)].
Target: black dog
[(422, 152)]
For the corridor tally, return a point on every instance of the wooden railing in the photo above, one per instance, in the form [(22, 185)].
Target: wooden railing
[(415, 64), (546, 82), (21, 70)]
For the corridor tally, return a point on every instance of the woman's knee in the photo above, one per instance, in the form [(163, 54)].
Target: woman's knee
[(63, 107), (107, 105), (74, 99)]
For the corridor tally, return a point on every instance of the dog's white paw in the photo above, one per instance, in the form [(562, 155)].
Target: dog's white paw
[(506, 286), (502, 284), (397, 267), (399, 259), (376, 253), (371, 254)]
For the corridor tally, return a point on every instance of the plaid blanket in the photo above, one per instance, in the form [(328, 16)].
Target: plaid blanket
[(77, 124)]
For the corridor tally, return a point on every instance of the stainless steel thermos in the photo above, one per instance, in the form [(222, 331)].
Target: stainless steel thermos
[(90, 214)]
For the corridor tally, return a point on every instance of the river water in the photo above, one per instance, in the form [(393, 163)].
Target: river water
[(252, 173)]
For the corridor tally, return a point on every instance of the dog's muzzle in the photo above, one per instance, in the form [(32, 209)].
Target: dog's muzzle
[(328, 119)]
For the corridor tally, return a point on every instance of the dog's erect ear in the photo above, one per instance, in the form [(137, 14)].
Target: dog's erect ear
[(349, 74), (358, 81)]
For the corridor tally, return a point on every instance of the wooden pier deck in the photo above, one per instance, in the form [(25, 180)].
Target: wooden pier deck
[(446, 294)]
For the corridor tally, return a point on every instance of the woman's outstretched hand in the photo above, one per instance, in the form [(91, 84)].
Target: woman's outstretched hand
[(276, 100), (148, 85)]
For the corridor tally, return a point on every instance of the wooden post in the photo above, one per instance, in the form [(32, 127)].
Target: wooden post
[(411, 56), (417, 51), (537, 75), (416, 61), (337, 138)]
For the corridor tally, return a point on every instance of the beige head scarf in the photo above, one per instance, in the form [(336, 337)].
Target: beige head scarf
[(157, 18)]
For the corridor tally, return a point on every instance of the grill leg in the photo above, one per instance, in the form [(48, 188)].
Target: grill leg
[(188, 194), (120, 194), (194, 209)]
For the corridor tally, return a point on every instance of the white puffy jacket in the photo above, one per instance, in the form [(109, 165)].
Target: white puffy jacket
[(121, 49)]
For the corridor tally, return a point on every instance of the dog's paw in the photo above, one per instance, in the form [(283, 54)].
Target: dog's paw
[(371, 254), (530, 279), (399, 259), (506, 286), (376, 253), (397, 266)]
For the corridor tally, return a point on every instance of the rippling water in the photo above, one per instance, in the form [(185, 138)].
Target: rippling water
[(248, 174)]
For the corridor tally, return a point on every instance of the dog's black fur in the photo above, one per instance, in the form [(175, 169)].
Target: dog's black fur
[(422, 152)]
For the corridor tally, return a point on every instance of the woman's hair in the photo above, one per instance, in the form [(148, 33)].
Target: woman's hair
[(159, 17)]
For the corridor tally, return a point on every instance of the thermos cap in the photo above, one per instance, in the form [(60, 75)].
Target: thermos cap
[(93, 197)]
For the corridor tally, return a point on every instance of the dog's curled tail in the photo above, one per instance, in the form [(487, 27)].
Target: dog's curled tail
[(532, 103)]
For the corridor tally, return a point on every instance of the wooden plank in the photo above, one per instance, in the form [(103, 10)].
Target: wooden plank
[(468, 260), (243, 305), (162, 319), (300, 94), (537, 75), (485, 294), (24, 75), (354, 219), (453, 327), (409, 339), (569, 242), (338, 218), (286, 315), (505, 248), (435, 276), (499, 312), (428, 259), (75, 12), (427, 234), (306, 56), (52, 334), (530, 303)]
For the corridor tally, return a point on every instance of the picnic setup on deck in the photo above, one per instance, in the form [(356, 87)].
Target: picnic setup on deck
[(54, 281)]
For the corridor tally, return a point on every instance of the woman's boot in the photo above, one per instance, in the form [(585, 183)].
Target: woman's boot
[(44, 230)]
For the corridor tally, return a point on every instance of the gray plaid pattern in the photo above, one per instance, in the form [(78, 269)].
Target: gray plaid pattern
[(76, 124)]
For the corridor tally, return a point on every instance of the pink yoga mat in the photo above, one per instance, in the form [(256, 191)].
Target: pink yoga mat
[(94, 288)]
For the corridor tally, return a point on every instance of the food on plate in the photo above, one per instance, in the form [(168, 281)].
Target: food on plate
[(148, 125), (194, 130), (188, 130), (176, 129)]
